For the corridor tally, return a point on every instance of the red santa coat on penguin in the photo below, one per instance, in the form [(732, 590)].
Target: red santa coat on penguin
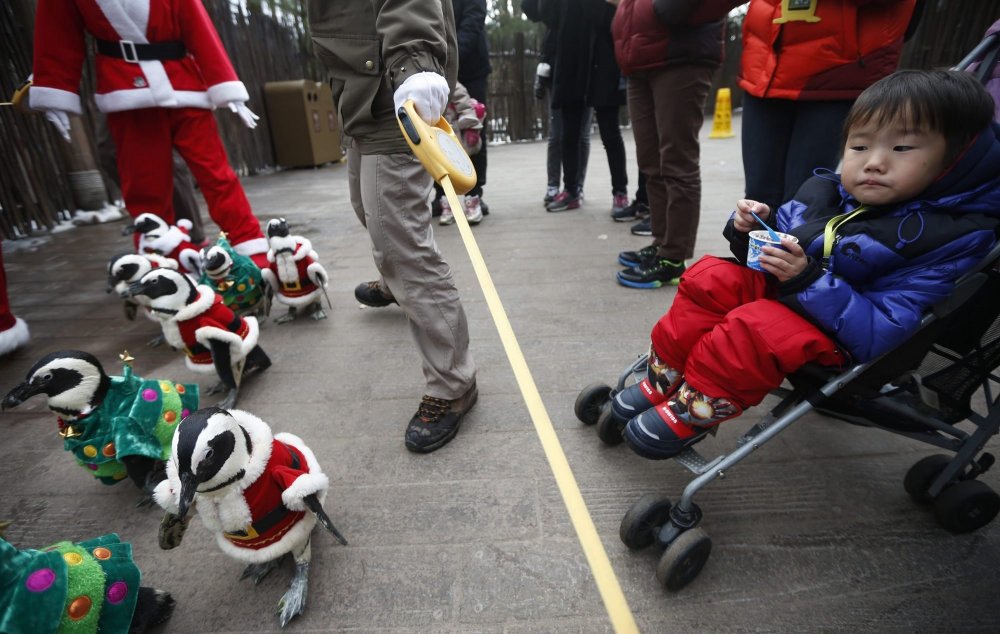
[(161, 69), (207, 319)]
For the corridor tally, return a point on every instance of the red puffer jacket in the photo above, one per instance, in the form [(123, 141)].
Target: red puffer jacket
[(852, 45), (643, 41)]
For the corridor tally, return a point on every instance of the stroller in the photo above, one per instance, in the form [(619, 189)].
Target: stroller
[(944, 376)]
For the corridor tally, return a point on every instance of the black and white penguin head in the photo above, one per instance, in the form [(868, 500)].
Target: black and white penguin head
[(217, 263), (211, 452), (279, 238), (74, 382), (150, 226), (124, 269), (164, 290)]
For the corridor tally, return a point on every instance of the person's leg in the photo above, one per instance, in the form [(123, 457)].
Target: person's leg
[(13, 330), (394, 190), (614, 147), (816, 141), (585, 125), (640, 190), (478, 90), (645, 129), (196, 138), (145, 167), (767, 130), (185, 200), (375, 293), (553, 163), (570, 143)]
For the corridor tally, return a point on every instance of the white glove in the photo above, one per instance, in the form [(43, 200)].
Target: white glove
[(244, 113), (60, 120), (429, 92), (543, 70)]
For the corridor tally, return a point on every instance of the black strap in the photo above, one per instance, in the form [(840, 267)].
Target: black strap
[(132, 52)]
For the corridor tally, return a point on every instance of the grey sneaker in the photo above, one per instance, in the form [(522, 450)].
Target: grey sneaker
[(437, 421)]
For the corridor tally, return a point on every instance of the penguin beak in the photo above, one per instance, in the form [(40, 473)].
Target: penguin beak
[(135, 288), (189, 487), (128, 229), (19, 394)]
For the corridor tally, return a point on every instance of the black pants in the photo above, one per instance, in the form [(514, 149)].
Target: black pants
[(611, 136), (477, 90)]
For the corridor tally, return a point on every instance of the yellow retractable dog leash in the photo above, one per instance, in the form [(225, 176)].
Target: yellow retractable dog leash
[(443, 157)]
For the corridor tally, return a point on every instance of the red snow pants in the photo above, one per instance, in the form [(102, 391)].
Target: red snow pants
[(144, 139), (730, 338)]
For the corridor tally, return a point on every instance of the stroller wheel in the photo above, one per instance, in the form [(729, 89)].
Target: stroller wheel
[(966, 506), (683, 559), (590, 402), (921, 476), (608, 429), (643, 520)]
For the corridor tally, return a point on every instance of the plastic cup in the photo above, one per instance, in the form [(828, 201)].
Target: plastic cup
[(759, 239)]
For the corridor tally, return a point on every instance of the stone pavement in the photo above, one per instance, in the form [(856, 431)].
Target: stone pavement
[(813, 533)]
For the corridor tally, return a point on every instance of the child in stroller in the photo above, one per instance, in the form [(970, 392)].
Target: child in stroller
[(917, 205)]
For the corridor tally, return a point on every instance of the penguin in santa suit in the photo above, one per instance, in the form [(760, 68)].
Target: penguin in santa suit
[(127, 268), (294, 274), (160, 71), (213, 337), (260, 494), (156, 237)]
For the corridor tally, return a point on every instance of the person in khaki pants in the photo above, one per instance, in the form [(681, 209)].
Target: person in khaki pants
[(381, 53)]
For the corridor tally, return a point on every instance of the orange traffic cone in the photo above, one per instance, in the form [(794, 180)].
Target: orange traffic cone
[(722, 122)]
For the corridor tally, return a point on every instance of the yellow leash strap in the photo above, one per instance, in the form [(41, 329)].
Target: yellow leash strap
[(830, 232)]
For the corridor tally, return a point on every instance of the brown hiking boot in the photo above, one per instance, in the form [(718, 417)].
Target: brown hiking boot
[(437, 421), (371, 294)]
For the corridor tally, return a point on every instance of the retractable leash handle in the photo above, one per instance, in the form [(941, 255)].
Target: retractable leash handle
[(440, 151)]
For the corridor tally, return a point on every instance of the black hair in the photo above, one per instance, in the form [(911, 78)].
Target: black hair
[(951, 103)]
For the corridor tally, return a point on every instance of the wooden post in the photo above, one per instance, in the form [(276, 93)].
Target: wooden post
[(519, 127)]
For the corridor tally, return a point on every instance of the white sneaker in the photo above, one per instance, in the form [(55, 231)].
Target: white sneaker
[(473, 210), (447, 217)]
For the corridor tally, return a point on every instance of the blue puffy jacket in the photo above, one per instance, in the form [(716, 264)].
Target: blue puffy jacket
[(889, 264)]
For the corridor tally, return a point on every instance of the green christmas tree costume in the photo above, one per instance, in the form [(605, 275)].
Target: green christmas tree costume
[(136, 418), (242, 289), (68, 588)]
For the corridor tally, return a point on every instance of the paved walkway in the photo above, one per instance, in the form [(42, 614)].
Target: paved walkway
[(813, 533)]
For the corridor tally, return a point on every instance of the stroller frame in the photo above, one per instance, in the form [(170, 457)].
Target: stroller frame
[(675, 527)]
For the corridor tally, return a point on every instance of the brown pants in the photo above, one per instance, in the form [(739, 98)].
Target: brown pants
[(667, 108)]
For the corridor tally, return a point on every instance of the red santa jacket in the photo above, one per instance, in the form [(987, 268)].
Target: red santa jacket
[(206, 319), (204, 78)]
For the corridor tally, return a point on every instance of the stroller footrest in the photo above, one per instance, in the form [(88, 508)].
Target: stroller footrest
[(696, 463)]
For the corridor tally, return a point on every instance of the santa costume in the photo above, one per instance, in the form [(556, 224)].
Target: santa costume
[(291, 276), (206, 319), (160, 71), (13, 330)]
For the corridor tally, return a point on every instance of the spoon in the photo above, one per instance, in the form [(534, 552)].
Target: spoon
[(770, 232)]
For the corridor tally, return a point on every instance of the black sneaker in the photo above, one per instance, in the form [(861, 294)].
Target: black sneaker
[(435, 208), (635, 211), (659, 273), (437, 421), (371, 294), (632, 259), (643, 228)]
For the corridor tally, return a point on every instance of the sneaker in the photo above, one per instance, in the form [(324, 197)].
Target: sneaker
[(655, 275), (473, 209), (437, 421), (635, 211), (667, 429), (371, 294), (643, 228), (447, 217), (550, 195), (486, 208), (564, 202), (634, 400), (619, 202), (632, 259)]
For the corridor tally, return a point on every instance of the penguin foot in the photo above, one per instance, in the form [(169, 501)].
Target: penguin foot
[(230, 401), (291, 315), (293, 603), (259, 571), (318, 313), (152, 607), (156, 342), (172, 529), (216, 389), (146, 501)]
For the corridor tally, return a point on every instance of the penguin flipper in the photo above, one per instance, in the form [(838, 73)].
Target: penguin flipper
[(313, 504)]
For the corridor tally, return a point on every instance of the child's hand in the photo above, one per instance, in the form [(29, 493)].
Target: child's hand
[(743, 221), (785, 263), (471, 137)]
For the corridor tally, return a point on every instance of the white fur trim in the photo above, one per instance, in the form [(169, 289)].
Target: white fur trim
[(44, 98), (15, 337), (185, 224), (239, 347), (289, 542), (201, 368), (136, 98), (304, 485), (317, 274), (204, 301), (269, 278), (301, 300), (191, 260), (251, 247), (260, 438), (172, 238), (166, 496), (304, 249), (222, 94)]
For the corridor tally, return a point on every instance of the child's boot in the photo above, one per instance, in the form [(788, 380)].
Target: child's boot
[(665, 430), (660, 382)]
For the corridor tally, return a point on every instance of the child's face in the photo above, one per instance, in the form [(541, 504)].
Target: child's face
[(885, 164)]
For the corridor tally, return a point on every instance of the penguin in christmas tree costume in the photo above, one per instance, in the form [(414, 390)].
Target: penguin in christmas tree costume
[(77, 588), (214, 338), (236, 279), (115, 426), (293, 272), (261, 494), (126, 268), (154, 235)]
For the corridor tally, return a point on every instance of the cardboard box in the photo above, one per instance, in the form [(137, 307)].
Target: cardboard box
[(303, 122)]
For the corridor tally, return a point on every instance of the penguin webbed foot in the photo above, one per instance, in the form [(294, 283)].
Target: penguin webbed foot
[(218, 388), (156, 342), (291, 315), (152, 607), (259, 571), (293, 602), (230, 401), (317, 313)]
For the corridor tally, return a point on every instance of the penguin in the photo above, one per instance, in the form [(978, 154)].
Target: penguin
[(294, 273), (115, 427), (212, 336), (236, 279), (79, 587), (125, 268), (154, 235), (260, 493)]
